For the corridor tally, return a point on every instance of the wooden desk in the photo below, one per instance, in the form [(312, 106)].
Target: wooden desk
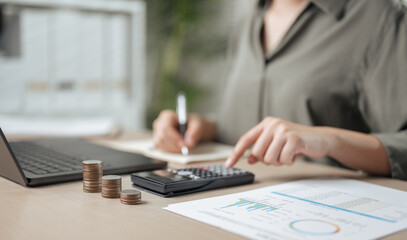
[(64, 211)]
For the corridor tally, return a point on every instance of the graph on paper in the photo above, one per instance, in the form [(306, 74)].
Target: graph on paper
[(251, 205), (314, 227), (310, 209)]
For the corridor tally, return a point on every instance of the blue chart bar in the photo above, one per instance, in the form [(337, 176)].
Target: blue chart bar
[(251, 205)]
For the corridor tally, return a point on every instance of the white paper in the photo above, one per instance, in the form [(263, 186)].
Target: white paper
[(307, 209), (203, 152)]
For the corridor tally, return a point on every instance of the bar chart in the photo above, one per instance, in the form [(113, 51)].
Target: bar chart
[(251, 205)]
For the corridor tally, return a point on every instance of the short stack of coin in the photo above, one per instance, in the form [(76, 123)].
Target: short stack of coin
[(92, 172), (130, 197), (111, 186)]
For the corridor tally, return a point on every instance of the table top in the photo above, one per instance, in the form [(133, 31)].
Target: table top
[(64, 211)]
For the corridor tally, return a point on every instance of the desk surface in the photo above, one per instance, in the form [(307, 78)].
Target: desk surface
[(64, 211)]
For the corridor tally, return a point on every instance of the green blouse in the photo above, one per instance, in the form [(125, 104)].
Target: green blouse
[(343, 63)]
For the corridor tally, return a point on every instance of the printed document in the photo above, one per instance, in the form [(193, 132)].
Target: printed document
[(307, 209)]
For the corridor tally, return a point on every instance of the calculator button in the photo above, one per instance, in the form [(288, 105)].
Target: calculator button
[(185, 173), (203, 168), (211, 168)]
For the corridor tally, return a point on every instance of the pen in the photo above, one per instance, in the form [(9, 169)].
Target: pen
[(182, 118)]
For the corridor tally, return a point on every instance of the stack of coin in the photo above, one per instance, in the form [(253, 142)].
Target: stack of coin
[(130, 197), (111, 186), (92, 172)]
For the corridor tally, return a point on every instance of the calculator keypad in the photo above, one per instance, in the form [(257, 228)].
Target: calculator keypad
[(207, 171)]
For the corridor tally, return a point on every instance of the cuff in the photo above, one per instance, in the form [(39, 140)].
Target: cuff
[(396, 148)]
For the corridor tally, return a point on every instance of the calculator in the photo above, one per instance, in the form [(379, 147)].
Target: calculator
[(173, 182)]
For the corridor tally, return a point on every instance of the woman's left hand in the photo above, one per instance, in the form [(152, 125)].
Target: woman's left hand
[(278, 142)]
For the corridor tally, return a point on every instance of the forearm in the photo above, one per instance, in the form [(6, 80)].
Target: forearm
[(357, 150)]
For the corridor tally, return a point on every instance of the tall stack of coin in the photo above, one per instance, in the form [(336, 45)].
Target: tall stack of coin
[(111, 186), (92, 172), (130, 197)]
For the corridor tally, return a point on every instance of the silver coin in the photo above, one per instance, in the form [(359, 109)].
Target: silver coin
[(111, 177), (130, 193), (91, 162)]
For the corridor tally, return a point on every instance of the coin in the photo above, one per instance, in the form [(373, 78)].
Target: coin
[(111, 186), (130, 193), (111, 177), (130, 197), (130, 203), (92, 173), (92, 162)]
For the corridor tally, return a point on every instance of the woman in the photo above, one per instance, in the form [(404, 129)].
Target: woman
[(324, 79)]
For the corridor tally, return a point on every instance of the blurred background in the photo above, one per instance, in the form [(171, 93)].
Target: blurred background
[(87, 67)]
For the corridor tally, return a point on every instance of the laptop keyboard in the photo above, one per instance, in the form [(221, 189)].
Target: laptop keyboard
[(41, 160)]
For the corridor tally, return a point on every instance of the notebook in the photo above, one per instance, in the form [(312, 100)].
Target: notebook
[(209, 151)]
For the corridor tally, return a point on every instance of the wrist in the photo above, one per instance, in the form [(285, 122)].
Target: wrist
[(209, 130), (330, 139)]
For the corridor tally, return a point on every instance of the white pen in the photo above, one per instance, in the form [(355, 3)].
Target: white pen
[(182, 118)]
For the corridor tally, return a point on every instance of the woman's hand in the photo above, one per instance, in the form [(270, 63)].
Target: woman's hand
[(278, 142), (166, 135)]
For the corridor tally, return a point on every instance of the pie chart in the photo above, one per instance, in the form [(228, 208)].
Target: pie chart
[(314, 227)]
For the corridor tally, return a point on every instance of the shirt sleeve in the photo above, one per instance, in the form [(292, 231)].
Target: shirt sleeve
[(383, 93), (396, 148)]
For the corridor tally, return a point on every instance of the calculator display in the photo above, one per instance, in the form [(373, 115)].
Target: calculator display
[(165, 176)]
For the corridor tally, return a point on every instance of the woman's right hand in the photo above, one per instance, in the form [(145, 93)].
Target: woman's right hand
[(166, 135)]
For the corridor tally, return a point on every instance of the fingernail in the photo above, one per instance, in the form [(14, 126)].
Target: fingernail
[(228, 162)]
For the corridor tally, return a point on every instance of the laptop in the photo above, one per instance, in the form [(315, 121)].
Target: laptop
[(48, 161)]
